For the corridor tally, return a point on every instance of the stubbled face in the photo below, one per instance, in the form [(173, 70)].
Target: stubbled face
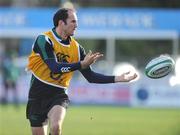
[(71, 24)]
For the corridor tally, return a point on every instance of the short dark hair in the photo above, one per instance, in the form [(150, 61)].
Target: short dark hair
[(61, 14)]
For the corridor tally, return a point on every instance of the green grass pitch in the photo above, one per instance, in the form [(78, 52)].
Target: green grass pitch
[(99, 120)]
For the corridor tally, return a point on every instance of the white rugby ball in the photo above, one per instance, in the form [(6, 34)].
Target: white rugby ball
[(159, 67)]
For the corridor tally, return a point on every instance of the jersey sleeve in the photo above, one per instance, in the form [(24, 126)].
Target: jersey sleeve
[(82, 52), (94, 77), (44, 47)]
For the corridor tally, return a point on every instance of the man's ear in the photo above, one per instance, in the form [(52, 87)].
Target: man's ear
[(61, 22)]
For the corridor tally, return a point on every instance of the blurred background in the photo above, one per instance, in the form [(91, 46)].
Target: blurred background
[(129, 33)]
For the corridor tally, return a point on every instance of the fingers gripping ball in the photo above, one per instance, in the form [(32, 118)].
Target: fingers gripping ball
[(159, 67)]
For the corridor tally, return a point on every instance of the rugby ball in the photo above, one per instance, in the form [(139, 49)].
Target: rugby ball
[(159, 67)]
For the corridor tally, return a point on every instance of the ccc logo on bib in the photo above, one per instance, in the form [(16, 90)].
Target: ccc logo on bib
[(60, 58)]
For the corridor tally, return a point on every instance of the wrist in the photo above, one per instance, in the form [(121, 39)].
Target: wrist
[(118, 79), (82, 65), (115, 79)]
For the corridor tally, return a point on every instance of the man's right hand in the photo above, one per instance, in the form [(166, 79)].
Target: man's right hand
[(90, 58)]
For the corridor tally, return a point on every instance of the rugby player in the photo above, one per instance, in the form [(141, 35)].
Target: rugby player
[(55, 55)]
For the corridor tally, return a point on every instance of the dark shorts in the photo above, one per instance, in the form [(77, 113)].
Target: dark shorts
[(37, 109), (40, 102)]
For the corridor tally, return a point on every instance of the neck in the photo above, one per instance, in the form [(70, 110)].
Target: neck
[(61, 33)]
